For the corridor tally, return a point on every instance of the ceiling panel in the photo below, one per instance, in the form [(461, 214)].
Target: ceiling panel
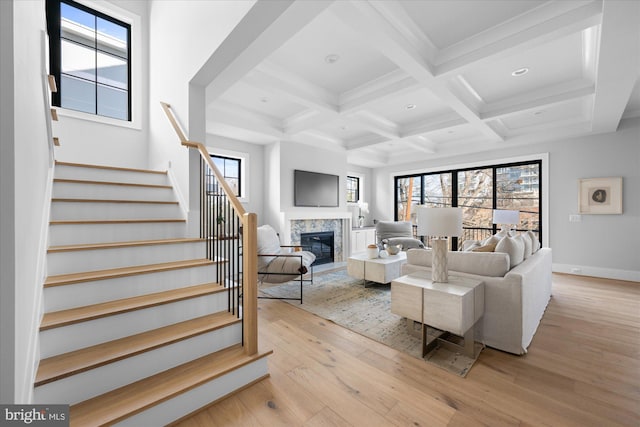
[(573, 110), (261, 101), (398, 109), (306, 53), (548, 64)]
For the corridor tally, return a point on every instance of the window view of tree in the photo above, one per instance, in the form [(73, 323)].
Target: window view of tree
[(230, 170), (478, 192), (475, 197)]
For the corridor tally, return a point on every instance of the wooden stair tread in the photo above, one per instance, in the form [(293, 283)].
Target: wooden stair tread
[(86, 165), (66, 279), (90, 246), (113, 221), (131, 399), (130, 184), (70, 316), (71, 200), (74, 362)]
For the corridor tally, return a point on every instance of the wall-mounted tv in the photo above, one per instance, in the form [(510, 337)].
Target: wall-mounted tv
[(316, 189)]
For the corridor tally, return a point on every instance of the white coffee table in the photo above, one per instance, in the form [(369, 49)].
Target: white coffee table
[(453, 307), (379, 270)]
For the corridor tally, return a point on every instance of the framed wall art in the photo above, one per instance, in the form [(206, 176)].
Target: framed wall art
[(600, 196)]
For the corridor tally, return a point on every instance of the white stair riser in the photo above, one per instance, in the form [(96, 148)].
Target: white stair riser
[(70, 234), (73, 337), (102, 259), (87, 293), (99, 210), (96, 174), (198, 397), (70, 190), (86, 385)]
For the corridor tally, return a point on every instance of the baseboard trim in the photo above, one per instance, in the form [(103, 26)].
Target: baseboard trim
[(605, 273)]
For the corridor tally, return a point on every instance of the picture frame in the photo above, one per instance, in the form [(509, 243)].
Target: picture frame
[(599, 196)]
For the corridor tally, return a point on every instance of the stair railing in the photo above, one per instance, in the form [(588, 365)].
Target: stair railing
[(231, 239)]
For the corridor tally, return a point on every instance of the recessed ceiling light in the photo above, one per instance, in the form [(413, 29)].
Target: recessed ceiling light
[(520, 72), (410, 106), (331, 59)]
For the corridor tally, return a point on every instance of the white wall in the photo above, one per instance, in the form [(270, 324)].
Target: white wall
[(599, 245), (271, 185), (25, 177), (183, 35), (87, 138)]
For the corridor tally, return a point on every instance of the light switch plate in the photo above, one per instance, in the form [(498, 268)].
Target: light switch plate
[(575, 218)]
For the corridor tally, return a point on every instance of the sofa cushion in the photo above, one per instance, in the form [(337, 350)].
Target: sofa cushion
[(489, 264), (389, 229), (514, 247), (406, 242), (268, 243)]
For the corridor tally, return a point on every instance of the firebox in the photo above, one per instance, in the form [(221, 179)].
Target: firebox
[(321, 244)]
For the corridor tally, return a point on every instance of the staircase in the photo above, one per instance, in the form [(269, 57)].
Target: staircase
[(135, 331)]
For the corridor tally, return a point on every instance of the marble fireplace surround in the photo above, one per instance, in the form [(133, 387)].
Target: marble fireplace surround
[(294, 223)]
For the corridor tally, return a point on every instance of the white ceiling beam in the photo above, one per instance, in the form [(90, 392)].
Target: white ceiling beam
[(539, 99), (366, 20), (552, 21), (618, 63), (300, 123), (319, 136), (376, 124), (291, 86), (390, 85), (266, 26), (365, 141), (238, 117), (433, 124), (422, 143), (367, 158)]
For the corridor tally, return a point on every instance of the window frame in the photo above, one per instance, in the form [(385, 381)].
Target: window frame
[(241, 166), (120, 16), (541, 162), (358, 181)]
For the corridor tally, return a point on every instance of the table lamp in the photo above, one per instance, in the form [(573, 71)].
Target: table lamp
[(439, 223), (506, 218)]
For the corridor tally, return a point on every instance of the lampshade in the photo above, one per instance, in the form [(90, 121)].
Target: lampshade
[(501, 216), (439, 221)]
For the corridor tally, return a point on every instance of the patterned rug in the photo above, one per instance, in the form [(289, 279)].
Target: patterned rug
[(345, 301)]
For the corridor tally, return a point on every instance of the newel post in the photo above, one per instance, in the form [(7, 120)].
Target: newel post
[(250, 282)]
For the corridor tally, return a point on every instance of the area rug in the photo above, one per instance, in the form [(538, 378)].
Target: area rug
[(345, 301)]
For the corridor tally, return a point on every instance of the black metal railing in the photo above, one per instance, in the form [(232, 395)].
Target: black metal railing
[(221, 228)]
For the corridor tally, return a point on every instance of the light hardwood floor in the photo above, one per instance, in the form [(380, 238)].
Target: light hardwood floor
[(582, 369)]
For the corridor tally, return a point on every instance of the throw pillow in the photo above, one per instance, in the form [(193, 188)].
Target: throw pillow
[(490, 247), (469, 245), (527, 244), (513, 247), (535, 243), (492, 239)]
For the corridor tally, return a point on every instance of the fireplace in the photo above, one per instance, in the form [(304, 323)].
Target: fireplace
[(321, 244)]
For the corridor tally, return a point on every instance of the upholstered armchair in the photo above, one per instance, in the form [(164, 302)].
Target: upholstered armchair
[(275, 265), (397, 233)]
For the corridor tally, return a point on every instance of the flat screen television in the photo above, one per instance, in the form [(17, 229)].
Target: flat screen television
[(315, 189)]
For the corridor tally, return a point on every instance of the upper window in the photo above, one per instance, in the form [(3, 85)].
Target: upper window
[(353, 189), (89, 54), (230, 169)]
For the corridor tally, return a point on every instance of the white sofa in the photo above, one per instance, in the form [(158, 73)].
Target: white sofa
[(515, 299)]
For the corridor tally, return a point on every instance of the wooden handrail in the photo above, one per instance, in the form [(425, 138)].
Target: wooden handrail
[(249, 223), (172, 119)]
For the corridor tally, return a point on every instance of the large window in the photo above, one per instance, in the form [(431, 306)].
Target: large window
[(230, 168), (478, 191), (89, 55)]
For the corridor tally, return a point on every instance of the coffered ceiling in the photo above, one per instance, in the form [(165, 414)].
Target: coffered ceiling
[(398, 81)]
